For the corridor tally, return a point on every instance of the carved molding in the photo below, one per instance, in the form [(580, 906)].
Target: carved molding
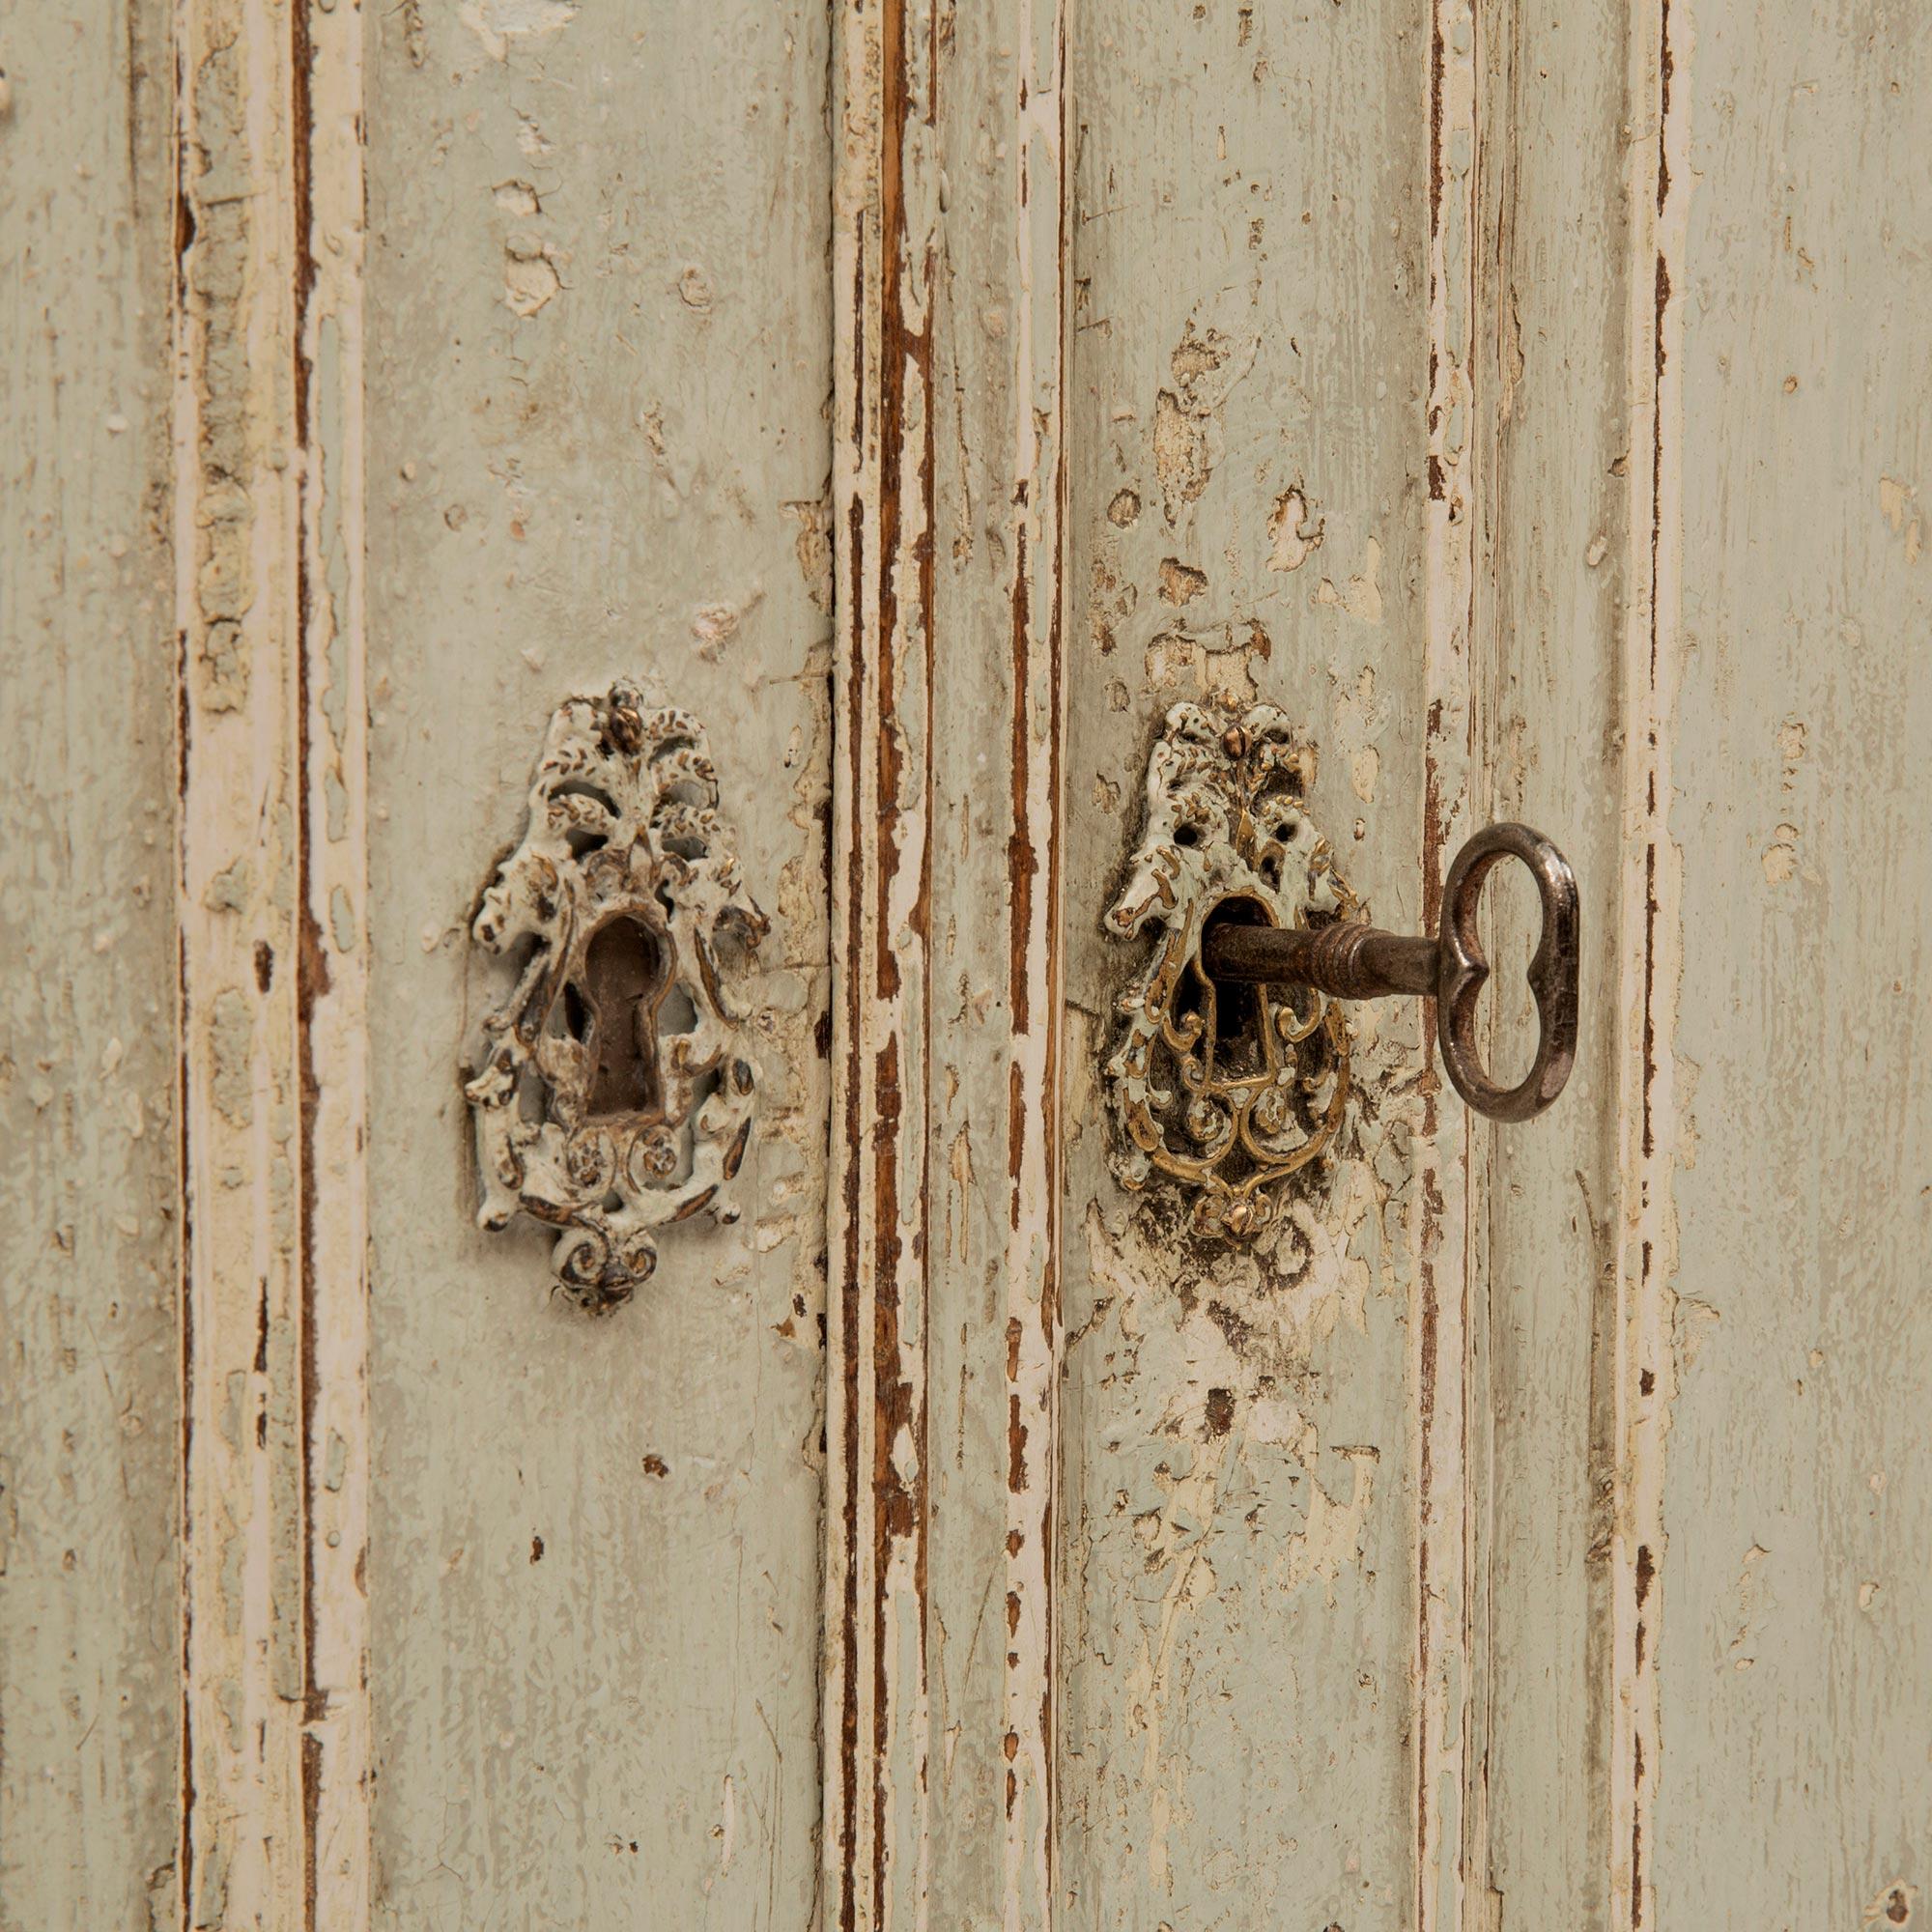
[(615, 1090), (1226, 1090)]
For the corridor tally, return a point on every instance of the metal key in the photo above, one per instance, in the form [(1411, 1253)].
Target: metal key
[(1354, 961)]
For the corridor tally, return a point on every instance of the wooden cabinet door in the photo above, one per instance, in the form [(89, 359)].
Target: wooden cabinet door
[(923, 402)]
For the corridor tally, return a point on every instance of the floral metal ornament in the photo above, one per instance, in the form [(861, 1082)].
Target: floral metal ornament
[(615, 1090), (1226, 1090)]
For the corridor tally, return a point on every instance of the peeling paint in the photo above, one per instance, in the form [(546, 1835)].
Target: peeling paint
[(1898, 505), (1360, 597), (1181, 583), (530, 281), (232, 1044), (499, 23), (948, 794), (1218, 665), (1295, 531), (1215, 351), (1332, 1539), (813, 550), (229, 889)]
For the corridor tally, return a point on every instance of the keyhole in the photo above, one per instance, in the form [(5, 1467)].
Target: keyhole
[(625, 969), (1235, 1018)]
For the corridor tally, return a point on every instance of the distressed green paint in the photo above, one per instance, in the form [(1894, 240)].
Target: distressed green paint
[(1796, 1638), (599, 326), (89, 1702), (1246, 516), (1554, 588), (599, 353)]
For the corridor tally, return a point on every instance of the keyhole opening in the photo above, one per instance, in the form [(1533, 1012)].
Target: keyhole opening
[(626, 968), (1235, 1013)]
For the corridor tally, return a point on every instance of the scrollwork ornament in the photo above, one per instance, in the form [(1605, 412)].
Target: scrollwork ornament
[(613, 1090), (1228, 1090)]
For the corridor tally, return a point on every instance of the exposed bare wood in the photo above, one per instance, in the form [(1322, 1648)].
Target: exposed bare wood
[(1446, 1189), (238, 557), (1642, 1374), (945, 1331), (877, 1708), (1036, 858)]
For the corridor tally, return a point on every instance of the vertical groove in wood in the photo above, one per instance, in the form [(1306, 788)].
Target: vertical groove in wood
[(267, 560), (237, 550), (1555, 208), (876, 1709), (1645, 1374), (1441, 1330), (947, 878), (332, 980), (1031, 1267)]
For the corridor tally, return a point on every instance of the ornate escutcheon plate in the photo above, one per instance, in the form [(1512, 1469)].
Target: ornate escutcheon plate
[(1226, 1090), (614, 1089)]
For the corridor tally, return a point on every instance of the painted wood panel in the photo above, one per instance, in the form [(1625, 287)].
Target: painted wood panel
[(266, 224), (1793, 1640), (1560, 607), (929, 397), (949, 272), (90, 1507), (1266, 249), (599, 345), (1672, 1727)]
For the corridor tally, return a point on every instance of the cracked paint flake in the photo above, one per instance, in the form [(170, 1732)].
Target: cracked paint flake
[(1217, 348), (1218, 665), (1181, 583)]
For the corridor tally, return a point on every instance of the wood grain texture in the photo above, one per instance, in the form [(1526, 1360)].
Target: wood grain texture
[(88, 1508), (1795, 1648), (1697, 1721), (237, 500), (1556, 611), (951, 272), (334, 734), (1249, 517), (598, 359), (1448, 1179)]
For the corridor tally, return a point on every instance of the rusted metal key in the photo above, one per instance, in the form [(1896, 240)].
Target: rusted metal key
[(1352, 960)]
